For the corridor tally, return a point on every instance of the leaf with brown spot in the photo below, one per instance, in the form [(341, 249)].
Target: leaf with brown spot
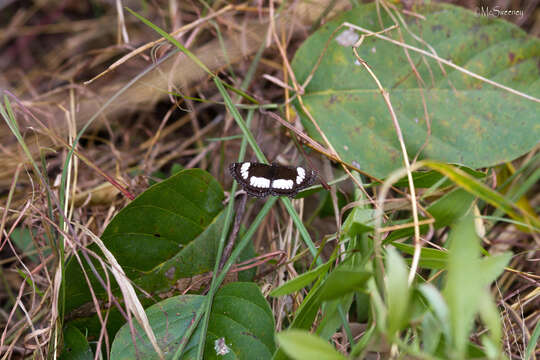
[(478, 125)]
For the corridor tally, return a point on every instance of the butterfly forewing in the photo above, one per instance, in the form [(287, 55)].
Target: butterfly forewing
[(255, 178)]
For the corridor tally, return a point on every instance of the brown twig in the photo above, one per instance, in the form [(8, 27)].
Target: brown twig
[(240, 208)]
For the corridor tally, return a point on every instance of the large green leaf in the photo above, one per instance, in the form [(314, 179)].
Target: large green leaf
[(168, 232), (476, 124), (240, 317)]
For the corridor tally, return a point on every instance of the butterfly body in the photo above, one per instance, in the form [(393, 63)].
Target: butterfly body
[(261, 180)]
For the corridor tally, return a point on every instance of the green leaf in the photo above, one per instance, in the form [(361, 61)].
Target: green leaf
[(359, 221), (343, 281), (22, 237), (438, 306), (431, 333), (301, 281), (397, 292), (340, 282), (197, 257), (171, 316), (484, 192), (470, 122), (490, 316), (446, 210), (492, 266), (168, 232), (379, 308), (426, 179), (76, 346), (450, 207), (331, 320), (464, 284), (533, 341), (429, 258), (240, 316), (302, 345), (305, 315)]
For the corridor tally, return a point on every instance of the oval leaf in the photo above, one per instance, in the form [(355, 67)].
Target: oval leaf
[(471, 122), (157, 227), (241, 327)]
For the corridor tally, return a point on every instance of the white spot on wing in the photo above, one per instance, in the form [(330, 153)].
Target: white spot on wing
[(259, 182), (301, 175), (244, 170), (282, 184)]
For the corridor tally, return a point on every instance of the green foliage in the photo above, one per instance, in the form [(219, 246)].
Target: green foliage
[(241, 316), (172, 230), (446, 314)]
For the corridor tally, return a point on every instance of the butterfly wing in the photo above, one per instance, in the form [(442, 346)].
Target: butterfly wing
[(289, 180), (255, 178)]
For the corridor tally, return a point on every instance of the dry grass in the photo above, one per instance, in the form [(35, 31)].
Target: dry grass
[(48, 52)]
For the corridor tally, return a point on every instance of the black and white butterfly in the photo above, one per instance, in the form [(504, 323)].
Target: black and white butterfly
[(260, 180)]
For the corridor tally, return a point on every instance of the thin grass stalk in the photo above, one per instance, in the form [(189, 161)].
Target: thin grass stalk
[(214, 285)]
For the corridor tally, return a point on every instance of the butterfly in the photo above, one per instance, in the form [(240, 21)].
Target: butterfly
[(261, 180)]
